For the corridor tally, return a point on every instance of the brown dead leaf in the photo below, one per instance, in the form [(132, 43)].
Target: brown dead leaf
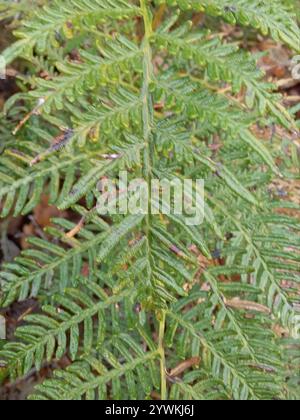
[(198, 19), (182, 367), (280, 331), (28, 231), (85, 270), (236, 303), (76, 229), (155, 395)]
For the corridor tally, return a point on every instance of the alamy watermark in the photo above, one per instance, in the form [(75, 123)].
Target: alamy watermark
[(182, 197)]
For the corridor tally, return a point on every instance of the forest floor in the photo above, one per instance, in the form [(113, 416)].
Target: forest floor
[(15, 231)]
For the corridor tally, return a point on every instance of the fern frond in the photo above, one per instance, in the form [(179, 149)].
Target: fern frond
[(65, 19), (226, 63), (78, 78), (144, 303), (270, 272), (204, 106), (220, 351), (120, 110), (269, 17), (91, 386), (46, 336)]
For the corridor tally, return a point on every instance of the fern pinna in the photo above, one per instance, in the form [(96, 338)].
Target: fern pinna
[(144, 304)]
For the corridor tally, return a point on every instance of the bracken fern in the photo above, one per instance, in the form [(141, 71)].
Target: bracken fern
[(130, 298)]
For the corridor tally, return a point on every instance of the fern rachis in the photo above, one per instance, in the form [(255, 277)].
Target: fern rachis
[(138, 86)]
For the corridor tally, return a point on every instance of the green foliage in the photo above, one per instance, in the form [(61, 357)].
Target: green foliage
[(113, 85)]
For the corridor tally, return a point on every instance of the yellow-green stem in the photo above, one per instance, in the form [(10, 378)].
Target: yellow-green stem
[(161, 349)]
